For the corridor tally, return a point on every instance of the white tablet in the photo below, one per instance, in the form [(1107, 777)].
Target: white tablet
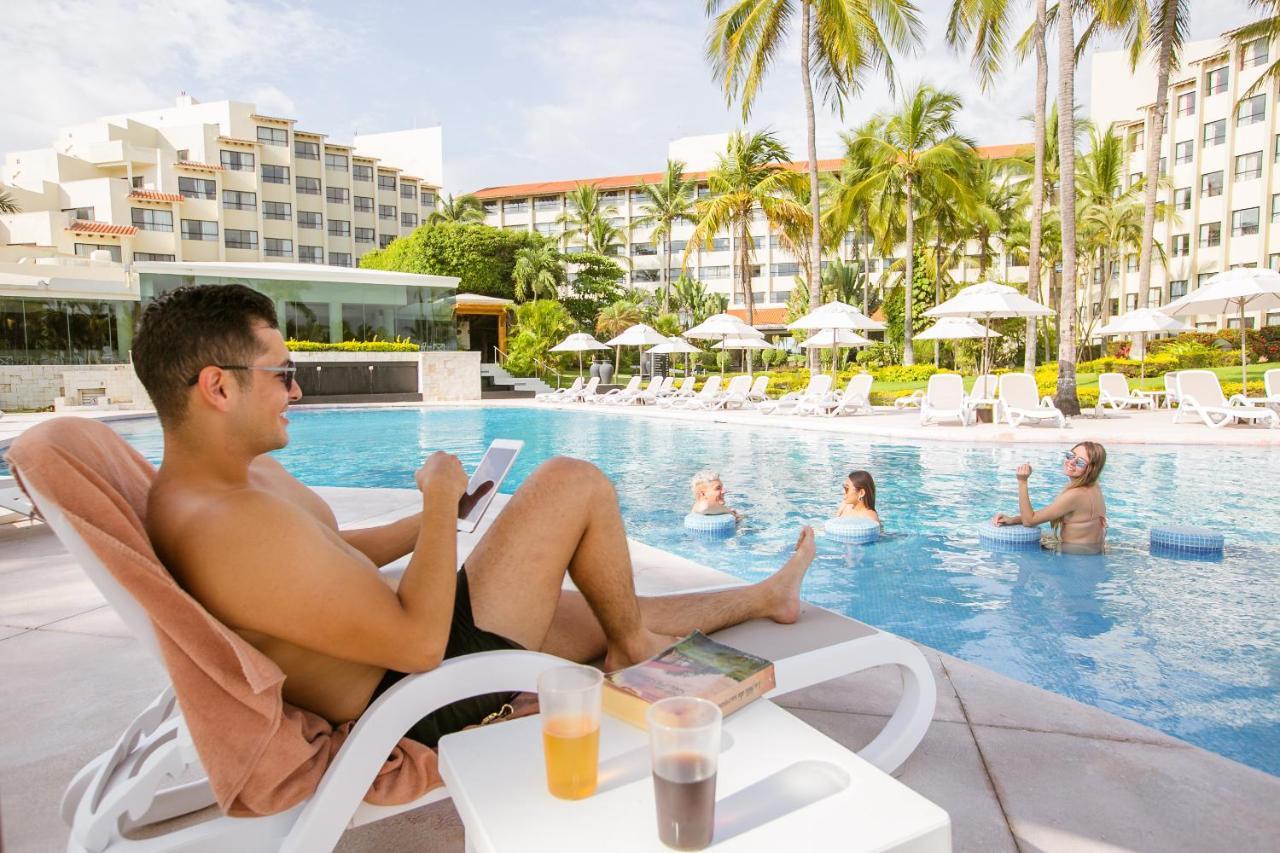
[(491, 471)]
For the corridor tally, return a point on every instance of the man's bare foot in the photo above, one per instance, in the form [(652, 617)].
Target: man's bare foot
[(640, 649), (784, 585)]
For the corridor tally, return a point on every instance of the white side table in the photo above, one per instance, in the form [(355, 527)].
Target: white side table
[(781, 785)]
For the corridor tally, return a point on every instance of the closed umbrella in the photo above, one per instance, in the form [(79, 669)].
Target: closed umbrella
[(673, 345), (1228, 292), (578, 342), (1140, 322), (834, 339), (989, 301), (638, 335)]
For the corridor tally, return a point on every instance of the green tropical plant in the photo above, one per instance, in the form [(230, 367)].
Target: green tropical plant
[(584, 209), (667, 203), (840, 42), (462, 209), (538, 272), (594, 282), (7, 203), (605, 238), (482, 256), (539, 325), (616, 318)]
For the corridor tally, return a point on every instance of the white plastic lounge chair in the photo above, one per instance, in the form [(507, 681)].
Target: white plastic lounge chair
[(586, 393), (13, 500), (1200, 393), (615, 395), (1270, 391), (1018, 401), (656, 391), (944, 400), (757, 394), (684, 391), (735, 395), (560, 394), (855, 398), (1170, 389), (910, 401), (983, 393), (1114, 393), (703, 399), (815, 392)]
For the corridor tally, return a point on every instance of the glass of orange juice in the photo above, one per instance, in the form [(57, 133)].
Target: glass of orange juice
[(569, 703)]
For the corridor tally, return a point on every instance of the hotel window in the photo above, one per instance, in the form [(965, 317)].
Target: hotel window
[(276, 247), (364, 235), (153, 256), (197, 188), (337, 195), (1244, 222), (408, 192), (1234, 322), (152, 220), (644, 275), (516, 206), (1275, 208), (1254, 53), (339, 228), (310, 219), (678, 245), (238, 200), (787, 268), (714, 272), (306, 151), (1177, 287), (387, 182), (385, 240), (1215, 132), (1182, 198), (757, 242), (428, 198), (547, 227), (1273, 262), (1131, 263), (1164, 166), (516, 226), (273, 136), (408, 220), (1137, 140), (364, 204), (1249, 166), (1153, 297), (490, 207), (782, 296), (640, 249), (275, 174), (1184, 151), (704, 191), (548, 203), (386, 211), (1134, 177), (1272, 319), (1210, 235), (1216, 81), (311, 254), (80, 214), (1187, 103), (1202, 278), (719, 244), (181, 155), (340, 259), (277, 210), (199, 229), (361, 173), (308, 186), (1251, 111), (611, 197), (1181, 245), (237, 238), (335, 162), (83, 250), (137, 182), (1211, 184), (237, 161)]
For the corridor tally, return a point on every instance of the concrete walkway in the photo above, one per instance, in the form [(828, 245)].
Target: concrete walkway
[(1016, 767)]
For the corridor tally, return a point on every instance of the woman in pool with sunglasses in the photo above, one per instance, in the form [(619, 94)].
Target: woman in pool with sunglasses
[(1079, 513)]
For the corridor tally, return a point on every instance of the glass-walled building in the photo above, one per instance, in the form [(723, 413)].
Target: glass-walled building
[(65, 331)]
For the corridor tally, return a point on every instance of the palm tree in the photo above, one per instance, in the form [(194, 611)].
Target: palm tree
[(667, 202), (913, 149), (605, 238), (464, 209), (614, 319), (840, 42), (539, 271), (584, 209), (1267, 28), (1066, 399), (7, 204)]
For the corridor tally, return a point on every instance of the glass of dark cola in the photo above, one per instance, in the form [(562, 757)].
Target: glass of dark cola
[(684, 738)]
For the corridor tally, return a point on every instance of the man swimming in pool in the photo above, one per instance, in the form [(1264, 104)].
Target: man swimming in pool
[(708, 495), (264, 554)]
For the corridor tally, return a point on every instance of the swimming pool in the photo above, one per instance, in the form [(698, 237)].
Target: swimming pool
[(1190, 648)]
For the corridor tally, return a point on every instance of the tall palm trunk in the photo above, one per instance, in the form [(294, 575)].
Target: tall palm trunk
[(744, 268), (937, 289), (1037, 187), (815, 203), (666, 273), (1066, 397), (1155, 143), (908, 296)]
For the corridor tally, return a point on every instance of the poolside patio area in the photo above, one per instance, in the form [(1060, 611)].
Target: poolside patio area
[(1016, 767)]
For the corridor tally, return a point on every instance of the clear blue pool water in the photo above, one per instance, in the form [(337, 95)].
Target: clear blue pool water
[(1190, 648)]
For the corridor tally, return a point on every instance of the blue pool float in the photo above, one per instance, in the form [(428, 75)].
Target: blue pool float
[(852, 531), (1180, 540), (1009, 536), (715, 526)]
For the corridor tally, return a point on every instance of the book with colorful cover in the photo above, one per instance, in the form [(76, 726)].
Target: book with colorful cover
[(695, 666)]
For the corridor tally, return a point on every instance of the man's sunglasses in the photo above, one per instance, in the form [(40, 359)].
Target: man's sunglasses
[(1074, 461), (286, 374)]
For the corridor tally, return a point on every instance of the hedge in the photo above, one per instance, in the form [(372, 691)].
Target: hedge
[(353, 346)]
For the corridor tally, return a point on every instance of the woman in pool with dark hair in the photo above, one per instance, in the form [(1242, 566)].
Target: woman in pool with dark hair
[(1079, 513), (859, 498)]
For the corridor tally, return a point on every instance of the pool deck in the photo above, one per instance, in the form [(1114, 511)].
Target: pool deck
[(1017, 768)]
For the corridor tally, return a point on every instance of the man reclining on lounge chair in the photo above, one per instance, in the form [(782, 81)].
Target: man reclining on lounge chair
[(263, 553)]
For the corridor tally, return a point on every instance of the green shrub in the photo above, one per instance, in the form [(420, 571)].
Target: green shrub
[(398, 345), (1111, 364), (901, 373), (877, 355), (1160, 364)]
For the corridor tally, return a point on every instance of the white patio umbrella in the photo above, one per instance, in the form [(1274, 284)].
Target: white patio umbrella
[(744, 342), (1228, 292), (638, 335), (834, 339), (989, 301), (717, 327), (955, 329), (1139, 322), (578, 342), (836, 315), (671, 346)]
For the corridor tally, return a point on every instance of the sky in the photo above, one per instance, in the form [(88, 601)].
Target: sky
[(525, 91)]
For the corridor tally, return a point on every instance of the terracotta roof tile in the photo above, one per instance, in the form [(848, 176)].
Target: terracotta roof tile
[(149, 195), (81, 226), (772, 316), (200, 167)]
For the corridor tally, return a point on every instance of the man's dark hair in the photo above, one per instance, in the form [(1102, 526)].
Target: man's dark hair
[(189, 328)]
